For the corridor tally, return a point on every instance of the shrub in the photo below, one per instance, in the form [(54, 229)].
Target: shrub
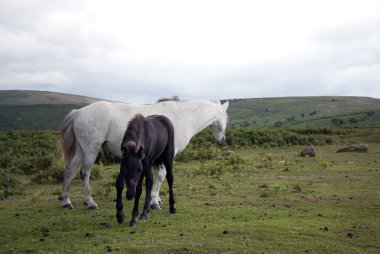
[(314, 112), (263, 161), (96, 171), (337, 121), (8, 183), (353, 120), (205, 151), (106, 157), (232, 163), (52, 173)]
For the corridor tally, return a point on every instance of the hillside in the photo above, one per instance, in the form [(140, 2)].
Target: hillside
[(28, 97), (37, 110), (305, 112), (34, 117)]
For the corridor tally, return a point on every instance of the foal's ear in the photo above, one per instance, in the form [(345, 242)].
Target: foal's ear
[(141, 153)]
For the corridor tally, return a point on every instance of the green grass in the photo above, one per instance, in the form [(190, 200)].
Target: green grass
[(326, 204)]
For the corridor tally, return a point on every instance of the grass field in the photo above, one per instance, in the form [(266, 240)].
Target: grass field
[(276, 202)]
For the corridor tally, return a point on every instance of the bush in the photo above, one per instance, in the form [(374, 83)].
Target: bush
[(8, 183), (268, 138), (28, 152), (353, 120), (231, 163), (52, 173), (96, 171), (337, 121), (106, 157), (205, 151)]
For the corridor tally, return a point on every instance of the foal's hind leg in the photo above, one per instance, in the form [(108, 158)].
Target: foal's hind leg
[(69, 174), (170, 179), (160, 177)]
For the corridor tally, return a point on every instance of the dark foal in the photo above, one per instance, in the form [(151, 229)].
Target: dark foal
[(147, 141)]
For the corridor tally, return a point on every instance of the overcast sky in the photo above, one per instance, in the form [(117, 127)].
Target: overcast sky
[(138, 51)]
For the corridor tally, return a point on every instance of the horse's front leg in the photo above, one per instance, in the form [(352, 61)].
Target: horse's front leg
[(135, 211), (148, 183), (119, 202)]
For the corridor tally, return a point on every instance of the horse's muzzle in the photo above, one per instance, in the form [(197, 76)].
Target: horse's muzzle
[(221, 142)]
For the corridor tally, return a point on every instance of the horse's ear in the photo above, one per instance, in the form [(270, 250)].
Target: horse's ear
[(226, 104), (141, 153)]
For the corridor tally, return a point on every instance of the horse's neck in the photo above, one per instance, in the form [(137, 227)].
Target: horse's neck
[(197, 116)]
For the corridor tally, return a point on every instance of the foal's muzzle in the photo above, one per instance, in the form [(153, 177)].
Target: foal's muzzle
[(130, 194)]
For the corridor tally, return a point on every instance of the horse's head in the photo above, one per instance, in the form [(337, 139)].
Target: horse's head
[(131, 166), (219, 126)]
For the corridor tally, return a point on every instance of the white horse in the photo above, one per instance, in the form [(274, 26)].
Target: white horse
[(104, 123)]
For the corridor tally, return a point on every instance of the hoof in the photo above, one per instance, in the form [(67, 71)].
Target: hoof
[(120, 219), (133, 224), (155, 207), (173, 210), (143, 217), (69, 206), (93, 207)]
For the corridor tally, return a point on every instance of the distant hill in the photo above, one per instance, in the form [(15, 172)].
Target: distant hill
[(296, 112), (37, 110), (29, 97)]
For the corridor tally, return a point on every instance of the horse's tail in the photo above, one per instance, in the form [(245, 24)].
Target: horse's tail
[(67, 140)]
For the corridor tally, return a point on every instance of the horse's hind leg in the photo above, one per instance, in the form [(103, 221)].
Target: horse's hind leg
[(160, 177), (85, 174), (69, 174)]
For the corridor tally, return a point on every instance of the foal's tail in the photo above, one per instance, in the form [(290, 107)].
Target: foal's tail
[(67, 141)]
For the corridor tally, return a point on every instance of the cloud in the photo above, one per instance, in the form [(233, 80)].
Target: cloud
[(140, 51)]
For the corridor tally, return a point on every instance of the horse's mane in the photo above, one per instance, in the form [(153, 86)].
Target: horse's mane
[(173, 98), (177, 98), (133, 134)]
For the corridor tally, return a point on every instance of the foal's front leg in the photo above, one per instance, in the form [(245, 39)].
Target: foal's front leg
[(135, 211), (148, 183), (119, 202)]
